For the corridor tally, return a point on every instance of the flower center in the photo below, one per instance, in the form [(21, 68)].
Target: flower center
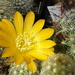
[(25, 42)]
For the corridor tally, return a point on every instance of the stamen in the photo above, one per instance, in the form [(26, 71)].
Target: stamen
[(25, 42)]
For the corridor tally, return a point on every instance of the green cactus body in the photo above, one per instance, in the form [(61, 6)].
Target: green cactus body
[(18, 69), (21, 69), (6, 9), (9, 7), (23, 6), (66, 25), (58, 64)]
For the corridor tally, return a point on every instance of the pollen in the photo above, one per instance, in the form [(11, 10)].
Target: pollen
[(25, 42)]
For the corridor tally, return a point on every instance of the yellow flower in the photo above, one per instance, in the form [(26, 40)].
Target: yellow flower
[(26, 41)]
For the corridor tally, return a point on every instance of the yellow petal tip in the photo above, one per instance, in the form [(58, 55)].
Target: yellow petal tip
[(3, 56)]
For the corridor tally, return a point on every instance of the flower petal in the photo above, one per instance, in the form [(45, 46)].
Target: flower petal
[(5, 28), (32, 67), (8, 52), (18, 58), (8, 27), (46, 44), (6, 37), (8, 23), (44, 34), (28, 58), (38, 55), (29, 20), (51, 49), (4, 43), (18, 21), (37, 26), (47, 51)]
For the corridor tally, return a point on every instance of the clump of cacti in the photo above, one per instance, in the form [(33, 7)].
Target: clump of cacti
[(18, 69), (6, 9), (23, 6), (9, 7), (66, 27), (21, 69), (58, 64)]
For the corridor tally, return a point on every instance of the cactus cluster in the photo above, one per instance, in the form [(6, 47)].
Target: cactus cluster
[(58, 64), (21, 69), (6, 6), (66, 27), (9, 7), (18, 69), (23, 6)]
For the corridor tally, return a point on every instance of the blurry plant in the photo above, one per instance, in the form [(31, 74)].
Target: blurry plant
[(23, 6), (58, 64), (21, 69), (65, 33), (9, 7), (6, 9)]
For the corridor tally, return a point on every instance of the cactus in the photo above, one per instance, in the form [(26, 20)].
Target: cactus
[(20, 70), (66, 27), (23, 6), (6, 9), (9, 7), (58, 64)]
